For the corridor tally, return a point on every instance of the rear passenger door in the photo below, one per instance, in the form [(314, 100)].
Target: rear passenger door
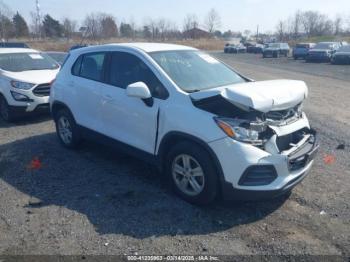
[(128, 119), (88, 79)]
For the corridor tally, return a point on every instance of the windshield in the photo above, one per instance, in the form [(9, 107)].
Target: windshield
[(345, 48), (195, 71), (58, 57), (18, 62), (323, 46), (302, 45), (274, 45)]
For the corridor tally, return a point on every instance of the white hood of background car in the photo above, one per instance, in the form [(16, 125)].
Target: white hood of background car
[(263, 96), (33, 76)]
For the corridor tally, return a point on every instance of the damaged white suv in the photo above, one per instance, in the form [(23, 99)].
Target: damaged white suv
[(209, 129)]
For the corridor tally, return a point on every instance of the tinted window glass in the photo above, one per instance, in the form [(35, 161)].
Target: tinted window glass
[(76, 66), (302, 45), (126, 69), (92, 65)]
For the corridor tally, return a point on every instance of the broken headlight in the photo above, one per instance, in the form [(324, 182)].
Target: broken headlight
[(242, 130)]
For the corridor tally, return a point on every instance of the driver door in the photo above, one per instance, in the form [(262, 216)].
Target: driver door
[(128, 119)]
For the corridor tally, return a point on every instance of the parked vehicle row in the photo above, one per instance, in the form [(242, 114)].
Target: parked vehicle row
[(276, 50), (233, 48), (302, 50), (334, 52), (209, 130), (322, 52)]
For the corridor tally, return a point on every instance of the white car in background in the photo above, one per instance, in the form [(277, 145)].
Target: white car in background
[(209, 129), (25, 81)]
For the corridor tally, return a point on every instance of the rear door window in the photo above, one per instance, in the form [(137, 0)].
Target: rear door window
[(92, 66)]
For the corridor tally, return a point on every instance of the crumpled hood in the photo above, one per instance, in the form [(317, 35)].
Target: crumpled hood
[(263, 96), (33, 76)]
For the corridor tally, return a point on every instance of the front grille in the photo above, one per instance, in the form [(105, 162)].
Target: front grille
[(284, 142), (317, 54), (42, 90)]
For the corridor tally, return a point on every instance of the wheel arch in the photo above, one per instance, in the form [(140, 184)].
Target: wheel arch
[(174, 137), (57, 106)]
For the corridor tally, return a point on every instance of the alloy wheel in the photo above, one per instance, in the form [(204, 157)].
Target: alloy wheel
[(188, 175), (65, 130)]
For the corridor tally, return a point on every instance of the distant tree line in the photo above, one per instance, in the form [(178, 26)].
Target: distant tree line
[(97, 26), (311, 24)]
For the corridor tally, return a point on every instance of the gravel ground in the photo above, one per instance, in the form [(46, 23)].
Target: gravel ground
[(98, 201)]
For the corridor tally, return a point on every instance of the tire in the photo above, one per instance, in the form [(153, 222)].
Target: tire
[(67, 130), (5, 111), (201, 186)]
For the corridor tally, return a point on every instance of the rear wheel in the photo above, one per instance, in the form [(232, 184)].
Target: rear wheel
[(5, 110), (67, 130), (192, 174)]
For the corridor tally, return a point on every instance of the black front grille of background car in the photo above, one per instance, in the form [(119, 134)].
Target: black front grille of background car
[(42, 90)]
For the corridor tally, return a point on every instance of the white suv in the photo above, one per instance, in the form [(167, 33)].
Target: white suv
[(25, 80), (209, 129)]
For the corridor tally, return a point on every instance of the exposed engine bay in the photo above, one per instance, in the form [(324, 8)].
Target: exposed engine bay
[(262, 122)]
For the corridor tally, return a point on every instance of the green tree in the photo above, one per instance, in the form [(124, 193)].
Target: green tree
[(20, 26), (52, 27), (126, 30), (6, 27)]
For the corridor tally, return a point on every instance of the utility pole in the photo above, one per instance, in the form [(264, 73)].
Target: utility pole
[(38, 19), (257, 33)]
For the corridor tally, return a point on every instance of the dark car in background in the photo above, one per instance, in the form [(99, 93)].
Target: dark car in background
[(59, 57), (323, 52), (232, 48), (276, 50), (13, 45), (341, 56), (302, 50), (255, 49)]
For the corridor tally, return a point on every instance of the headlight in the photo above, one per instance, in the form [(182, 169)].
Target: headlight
[(241, 130), (21, 85)]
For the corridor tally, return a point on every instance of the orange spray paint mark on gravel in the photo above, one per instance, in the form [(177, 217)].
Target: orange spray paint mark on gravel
[(35, 164), (329, 159)]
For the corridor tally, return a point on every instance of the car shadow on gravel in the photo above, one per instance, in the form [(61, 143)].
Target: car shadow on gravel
[(27, 120), (117, 194)]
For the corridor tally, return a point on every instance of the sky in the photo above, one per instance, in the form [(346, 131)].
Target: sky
[(237, 15)]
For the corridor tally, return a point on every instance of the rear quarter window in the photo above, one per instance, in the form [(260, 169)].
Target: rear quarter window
[(77, 65)]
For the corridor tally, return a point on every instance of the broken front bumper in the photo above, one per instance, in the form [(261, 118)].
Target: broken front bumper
[(282, 172)]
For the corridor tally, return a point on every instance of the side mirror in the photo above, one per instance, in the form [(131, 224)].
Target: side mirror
[(140, 90)]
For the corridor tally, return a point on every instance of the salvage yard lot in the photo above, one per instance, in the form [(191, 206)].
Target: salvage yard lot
[(98, 201)]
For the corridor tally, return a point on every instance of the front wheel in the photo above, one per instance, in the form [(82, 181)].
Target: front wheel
[(67, 130), (5, 111), (192, 174)]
